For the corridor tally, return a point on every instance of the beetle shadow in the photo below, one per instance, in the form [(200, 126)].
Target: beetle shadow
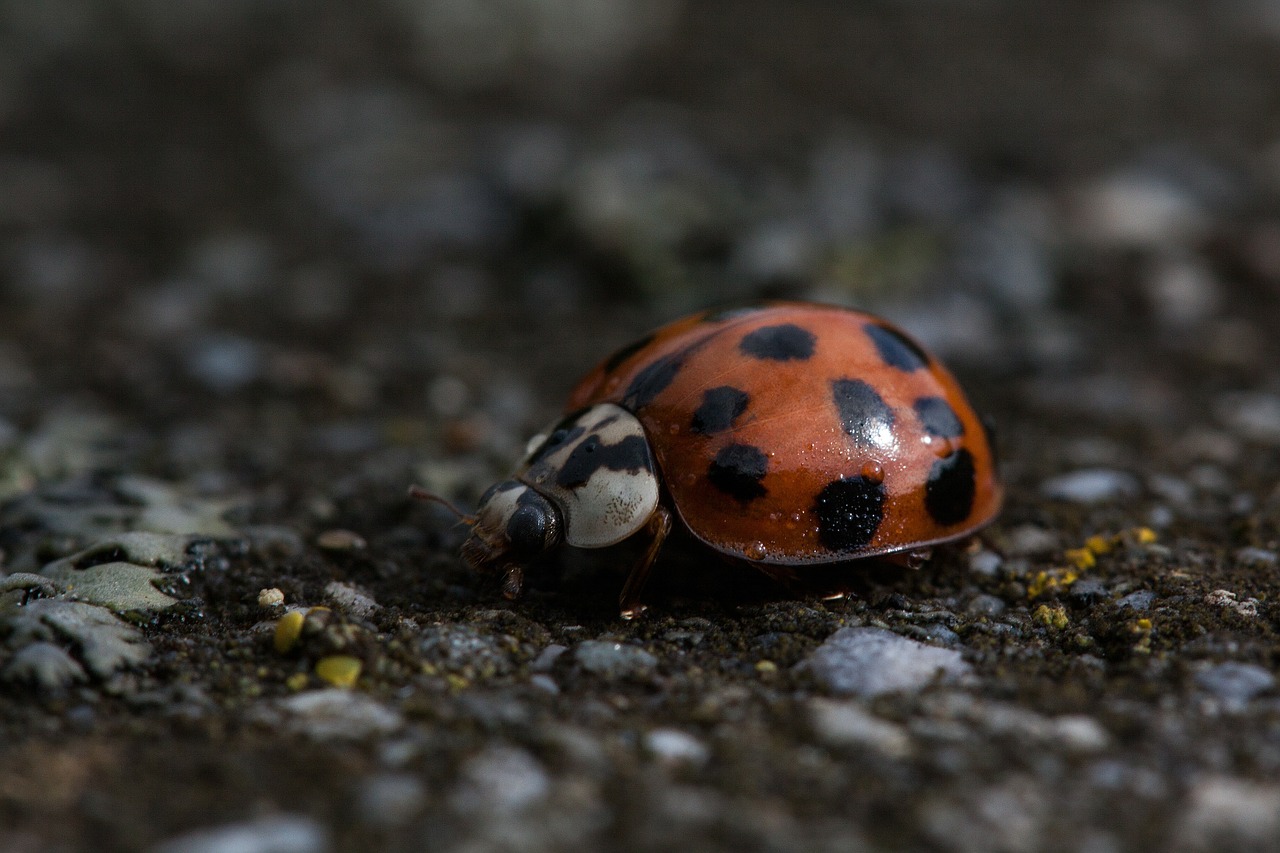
[(689, 575)]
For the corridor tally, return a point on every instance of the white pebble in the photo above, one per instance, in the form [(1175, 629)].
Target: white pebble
[(1091, 485)]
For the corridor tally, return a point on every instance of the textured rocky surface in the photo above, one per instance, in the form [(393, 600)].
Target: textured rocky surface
[(264, 265)]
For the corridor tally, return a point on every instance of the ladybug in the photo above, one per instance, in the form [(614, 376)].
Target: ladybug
[(783, 435)]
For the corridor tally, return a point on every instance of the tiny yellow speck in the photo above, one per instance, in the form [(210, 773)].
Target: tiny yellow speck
[(296, 682), (339, 670), (766, 667), (1098, 545), (288, 629), (1081, 558), (1145, 535), (1142, 625), (457, 682)]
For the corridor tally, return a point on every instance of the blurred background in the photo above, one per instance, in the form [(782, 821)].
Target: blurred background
[(446, 210)]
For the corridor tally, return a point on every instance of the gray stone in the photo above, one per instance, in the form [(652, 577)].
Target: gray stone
[(985, 563), (274, 834), (1091, 485), (351, 599), (1139, 601), (547, 657), (1257, 557), (845, 723), (333, 714), (869, 662), (613, 660), (1235, 683), (388, 800), (502, 781), (1222, 813), (674, 747)]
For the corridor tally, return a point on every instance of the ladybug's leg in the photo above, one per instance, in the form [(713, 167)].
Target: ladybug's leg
[(512, 581), (908, 559), (658, 527)]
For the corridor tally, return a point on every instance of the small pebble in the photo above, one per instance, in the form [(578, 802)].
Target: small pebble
[(334, 714), (1091, 485), (1254, 415), (986, 605), (1028, 540), (842, 723), (274, 834), (340, 540), (225, 363), (271, 597), (613, 660), (674, 747), (1257, 557), (547, 658), (1087, 591), (870, 662), (500, 781), (351, 599), (1235, 683), (1139, 601), (1222, 813), (985, 563), (545, 683), (389, 800)]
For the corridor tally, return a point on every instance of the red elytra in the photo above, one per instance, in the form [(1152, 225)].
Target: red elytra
[(826, 395)]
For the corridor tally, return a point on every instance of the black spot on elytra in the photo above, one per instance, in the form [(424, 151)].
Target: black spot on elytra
[(863, 413), (720, 408), (631, 455), (938, 418), (784, 342), (948, 494), (737, 471), (652, 381), (849, 512), (896, 349), (614, 361)]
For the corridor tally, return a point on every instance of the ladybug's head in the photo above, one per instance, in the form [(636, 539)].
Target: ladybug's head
[(513, 524)]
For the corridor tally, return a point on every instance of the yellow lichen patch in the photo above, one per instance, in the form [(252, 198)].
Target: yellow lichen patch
[(457, 682), (766, 667), (339, 670), (1145, 535), (297, 681), (1051, 581), (1081, 558), (288, 630), (1099, 545), (1052, 617)]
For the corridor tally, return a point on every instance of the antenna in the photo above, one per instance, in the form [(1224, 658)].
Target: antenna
[(423, 495)]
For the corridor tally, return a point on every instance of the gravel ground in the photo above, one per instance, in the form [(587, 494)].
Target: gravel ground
[(266, 264)]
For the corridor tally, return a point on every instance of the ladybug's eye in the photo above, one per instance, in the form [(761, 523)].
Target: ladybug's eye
[(532, 528)]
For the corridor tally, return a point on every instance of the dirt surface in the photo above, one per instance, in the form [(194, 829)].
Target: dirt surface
[(267, 264)]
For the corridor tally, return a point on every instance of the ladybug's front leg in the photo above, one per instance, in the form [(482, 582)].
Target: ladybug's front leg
[(658, 526), (512, 581)]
